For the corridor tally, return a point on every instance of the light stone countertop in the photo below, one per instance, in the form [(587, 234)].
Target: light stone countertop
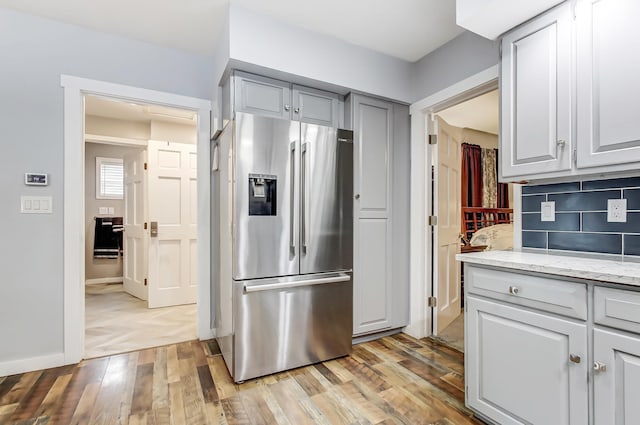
[(623, 272)]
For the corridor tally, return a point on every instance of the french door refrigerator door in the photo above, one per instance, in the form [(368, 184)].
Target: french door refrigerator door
[(326, 204), (266, 195)]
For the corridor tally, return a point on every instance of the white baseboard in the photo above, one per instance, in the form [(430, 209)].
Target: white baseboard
[(13, 367), (95, 281), (206, 334)]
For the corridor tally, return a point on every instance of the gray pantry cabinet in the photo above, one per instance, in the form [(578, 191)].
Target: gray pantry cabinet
[(381, 213), (569, 91)]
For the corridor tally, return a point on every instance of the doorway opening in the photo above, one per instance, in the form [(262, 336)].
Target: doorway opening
[(474, 210), (140, 225)]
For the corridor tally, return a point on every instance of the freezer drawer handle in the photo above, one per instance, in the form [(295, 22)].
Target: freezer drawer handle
[(286, 285)]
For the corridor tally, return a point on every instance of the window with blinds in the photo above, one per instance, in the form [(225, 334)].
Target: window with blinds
[(109, 178)]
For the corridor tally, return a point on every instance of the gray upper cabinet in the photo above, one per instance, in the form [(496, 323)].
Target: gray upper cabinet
[(262, 96), (274, 98), (608, 83), (315, 106), (536, 96), (569, 89)]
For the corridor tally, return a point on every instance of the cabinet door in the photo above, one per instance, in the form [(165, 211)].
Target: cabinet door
[(315, 106), (616, 389), (536, 96), (518, 368), (608, 87), (262, 96), (372, 127)]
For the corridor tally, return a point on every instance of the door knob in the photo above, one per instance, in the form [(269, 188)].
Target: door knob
[(357, 196)]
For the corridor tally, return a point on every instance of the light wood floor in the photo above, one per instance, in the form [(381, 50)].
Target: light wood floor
[(394, 380), (116, 322)]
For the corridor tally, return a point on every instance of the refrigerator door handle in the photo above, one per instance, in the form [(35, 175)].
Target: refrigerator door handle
[(286, 285), (292, 239), (303, 194)]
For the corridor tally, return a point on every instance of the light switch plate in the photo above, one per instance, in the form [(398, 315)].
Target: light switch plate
[(548, 211), (617, 210), (36, 204)]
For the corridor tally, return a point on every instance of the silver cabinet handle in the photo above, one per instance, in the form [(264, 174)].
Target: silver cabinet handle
[(292, 240), (287, 107), (357, 196), (303, 194), (574, 358), (599, 367), (514, 290), (296, 110), (561, 143), (153, 232)]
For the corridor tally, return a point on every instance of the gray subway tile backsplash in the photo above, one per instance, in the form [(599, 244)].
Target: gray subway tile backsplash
[(611, 183), (584, 201), (606, 243), (532, 203), (564, 221), (633, 198), (534, 239), (597, 222), (551, 188), (632, 245), (581, 217)]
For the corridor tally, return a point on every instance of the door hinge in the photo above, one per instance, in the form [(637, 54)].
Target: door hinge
[(433, 220), (145, 165), (145, 281), (433, 139), (145, 226), (432, 302)]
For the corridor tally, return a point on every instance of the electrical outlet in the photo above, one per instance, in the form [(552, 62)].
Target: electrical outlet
[(617, 210), (548, 211)]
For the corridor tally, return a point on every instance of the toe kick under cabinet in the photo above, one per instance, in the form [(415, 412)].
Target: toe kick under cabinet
[(544, 349)]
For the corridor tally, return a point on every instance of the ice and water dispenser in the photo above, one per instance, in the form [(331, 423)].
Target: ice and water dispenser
[(262, 194)]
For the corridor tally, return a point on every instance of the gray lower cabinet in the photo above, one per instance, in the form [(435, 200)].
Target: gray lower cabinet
[(275, 98), (518, 365), (381, 211), (528, 358)]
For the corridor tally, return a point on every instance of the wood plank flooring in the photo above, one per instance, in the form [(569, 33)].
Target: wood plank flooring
[(116, 322), (393, 380)]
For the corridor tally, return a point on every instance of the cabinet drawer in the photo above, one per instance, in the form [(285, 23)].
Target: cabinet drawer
[(552, 295), (616, 308)]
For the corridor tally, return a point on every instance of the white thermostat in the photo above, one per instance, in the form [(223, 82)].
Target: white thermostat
[(36, 179)]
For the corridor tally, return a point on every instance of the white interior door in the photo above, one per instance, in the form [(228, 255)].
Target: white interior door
[(446, 274), (135, 236), (173, 209)]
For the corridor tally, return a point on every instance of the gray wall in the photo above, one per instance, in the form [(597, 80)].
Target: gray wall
[(462, 57), (35, 52)]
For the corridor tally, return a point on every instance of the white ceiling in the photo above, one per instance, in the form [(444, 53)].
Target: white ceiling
[(121, 110), (407, 29), (480, 113)]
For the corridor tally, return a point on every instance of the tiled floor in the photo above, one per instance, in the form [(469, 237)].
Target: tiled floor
[(453, 335), (116, 322)]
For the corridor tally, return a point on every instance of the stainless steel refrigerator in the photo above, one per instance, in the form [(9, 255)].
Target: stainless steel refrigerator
[(286, 244)]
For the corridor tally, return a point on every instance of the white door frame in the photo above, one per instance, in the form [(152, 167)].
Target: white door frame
[(420, 321), (73, 225)]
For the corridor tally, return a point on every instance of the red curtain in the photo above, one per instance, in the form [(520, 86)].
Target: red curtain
[(471, 175)]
